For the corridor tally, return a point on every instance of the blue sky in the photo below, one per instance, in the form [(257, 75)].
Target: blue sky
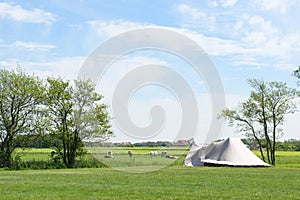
[(244, 39)]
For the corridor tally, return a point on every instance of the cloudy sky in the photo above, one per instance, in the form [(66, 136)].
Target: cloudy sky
[(244, 39)]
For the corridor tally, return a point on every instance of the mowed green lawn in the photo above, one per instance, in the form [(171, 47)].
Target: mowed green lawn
[(176, 182), (172, 182)]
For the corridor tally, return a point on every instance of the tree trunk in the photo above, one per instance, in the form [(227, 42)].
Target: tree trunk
[(274, 139), (64, 152), (5, 158), (273, 153), (6, 151), (269, 147), (265, 125), (260, 148)]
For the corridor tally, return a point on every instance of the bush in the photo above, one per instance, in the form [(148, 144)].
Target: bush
[(53, 163)]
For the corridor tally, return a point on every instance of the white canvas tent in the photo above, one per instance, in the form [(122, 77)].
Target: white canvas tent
[(230, 152)]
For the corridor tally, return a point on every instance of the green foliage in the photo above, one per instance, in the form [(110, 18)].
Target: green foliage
[(153, 144), (33, 158), (21, 97), (75, 114), (288, 145), (64, 113), (18, 164), (262, 115), (59, 99), (91, 118), (34, 141)]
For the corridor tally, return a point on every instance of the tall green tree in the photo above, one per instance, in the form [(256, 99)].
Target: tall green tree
[(60, 105), (262, 115), (76, 114), (279, 103), (21, 99), (91, 117)]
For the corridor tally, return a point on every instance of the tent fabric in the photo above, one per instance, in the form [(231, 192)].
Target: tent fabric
[(230, 152)]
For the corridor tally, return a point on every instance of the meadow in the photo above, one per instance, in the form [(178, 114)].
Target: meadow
[(141, 156), (171, 181)]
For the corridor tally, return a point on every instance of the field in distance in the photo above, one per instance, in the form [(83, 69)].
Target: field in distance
[(141, 156)]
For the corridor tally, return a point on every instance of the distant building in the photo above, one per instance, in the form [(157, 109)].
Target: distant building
[(125, 144), (181, 143)]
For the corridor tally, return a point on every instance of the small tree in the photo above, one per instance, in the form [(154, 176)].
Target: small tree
[(246, 122), (76, 114), (90, 116), (21, 98), (263, 113), (60, 105), (279, 104)]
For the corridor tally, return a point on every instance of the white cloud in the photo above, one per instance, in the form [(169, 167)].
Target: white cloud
[(213, 45), (251, 44), (263, 40), (33, 46), (228, 3), (259, 39), (274, 5), (29, 46), (67, 67), (239, 25), (17, 13), (76, 26), (185, 9), (193, 17), (266, 40), (213, 4), (110, 28), (285, 66)]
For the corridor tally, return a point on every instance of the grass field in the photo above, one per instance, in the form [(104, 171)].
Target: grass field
[(286, 158), (121, 159), (172, 182), (142, 158)]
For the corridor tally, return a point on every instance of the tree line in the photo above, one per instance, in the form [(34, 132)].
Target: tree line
[(45, 141), (68, 112), (286, 145), (262, 115)]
